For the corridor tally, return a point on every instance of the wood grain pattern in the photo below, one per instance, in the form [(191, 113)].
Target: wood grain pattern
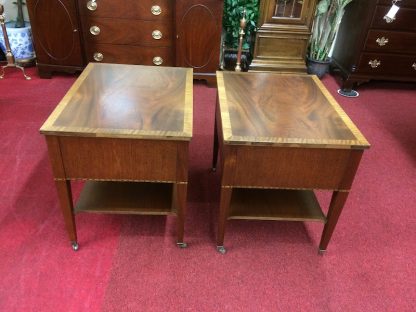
[(262, 108), (126, 198), (290, 205), (110, 100)]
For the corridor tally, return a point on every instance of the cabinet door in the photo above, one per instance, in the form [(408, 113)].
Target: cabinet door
[(198, 34), (55, 32)]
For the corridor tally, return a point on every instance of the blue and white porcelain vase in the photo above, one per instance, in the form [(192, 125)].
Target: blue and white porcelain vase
[(21, 42)]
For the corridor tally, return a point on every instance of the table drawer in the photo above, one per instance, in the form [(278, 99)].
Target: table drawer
[(385, 64), (124, 31), (123, 54), (405, 19), (136, 9), (390, 41)]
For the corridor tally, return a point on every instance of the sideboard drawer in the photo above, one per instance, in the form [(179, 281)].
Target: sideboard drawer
[(129, 9), (390, 41), (124, 31), (405, 19), (124, 54), (387, 64)]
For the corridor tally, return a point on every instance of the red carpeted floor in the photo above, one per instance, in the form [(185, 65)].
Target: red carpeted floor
[(131, 263)]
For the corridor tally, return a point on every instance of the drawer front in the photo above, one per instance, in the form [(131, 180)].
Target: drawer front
[(405, 19), (401, 3), (391, 41), (132, 32), (129, 9), (123, 54), (390, 65)]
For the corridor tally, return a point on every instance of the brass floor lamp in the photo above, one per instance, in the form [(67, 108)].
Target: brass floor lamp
[(9, 55)]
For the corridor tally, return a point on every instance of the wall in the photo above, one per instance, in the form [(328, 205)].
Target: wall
[(10, 10)]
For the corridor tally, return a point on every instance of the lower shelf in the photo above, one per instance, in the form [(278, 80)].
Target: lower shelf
[(271, 204), (126, 198)]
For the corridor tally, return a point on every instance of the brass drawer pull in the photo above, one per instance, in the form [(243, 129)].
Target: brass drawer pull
[(156, 10), (382, 41), (414, 66), (92, 5), (98, 56), (157, 60), (374, 64), (157, 34), (95, 30)]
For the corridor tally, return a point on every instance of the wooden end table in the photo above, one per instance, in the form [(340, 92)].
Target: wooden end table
[(281, 137), (125, 130)]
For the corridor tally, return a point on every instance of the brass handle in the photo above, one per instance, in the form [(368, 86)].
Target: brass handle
[(95, 30), (98, 56), (157, 60), (374, 63), (414, 66), (157, 34), (156, 10), (382, 41), (92, 5)]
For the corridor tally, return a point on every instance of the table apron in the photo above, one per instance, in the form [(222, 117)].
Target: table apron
[(287, 167), (121, 159)]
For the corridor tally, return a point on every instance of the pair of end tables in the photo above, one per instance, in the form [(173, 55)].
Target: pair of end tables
[(125, 130)]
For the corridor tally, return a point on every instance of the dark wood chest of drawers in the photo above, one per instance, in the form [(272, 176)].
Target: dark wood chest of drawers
[(370, 46), (68, 34)]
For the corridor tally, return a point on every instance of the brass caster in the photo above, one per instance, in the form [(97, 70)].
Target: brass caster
[(75, 246), (182, 245), (321, 251), (221, 250)]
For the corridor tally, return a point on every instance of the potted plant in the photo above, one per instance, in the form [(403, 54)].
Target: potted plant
[(20, 37), (233, 13), (328, 16)]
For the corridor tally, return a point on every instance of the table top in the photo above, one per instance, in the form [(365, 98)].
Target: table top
[(283, 110), (127, 101)]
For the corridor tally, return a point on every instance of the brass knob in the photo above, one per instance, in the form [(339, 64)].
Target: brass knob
[(374, 63), (157, 60), (92, 5), (95, 30), (156, 10), (382, 41), (414, 66), (98, 56), (157, 34)]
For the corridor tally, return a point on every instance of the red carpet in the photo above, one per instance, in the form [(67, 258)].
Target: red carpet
[(130, 263)]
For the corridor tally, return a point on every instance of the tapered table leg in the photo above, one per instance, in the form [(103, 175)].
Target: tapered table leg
[(180, 191), (335, 208), (66, 204), (225, 200), (215, 148)]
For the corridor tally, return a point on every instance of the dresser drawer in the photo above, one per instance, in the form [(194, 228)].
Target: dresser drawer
[(402, 3), (405, 19), (124, 31), (123, 54), (385, 64), (129, 9), (391, 41)]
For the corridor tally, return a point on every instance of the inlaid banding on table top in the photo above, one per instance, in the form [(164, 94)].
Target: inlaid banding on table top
[(120, 180), (281, 188), (130, 101), (282, 109)]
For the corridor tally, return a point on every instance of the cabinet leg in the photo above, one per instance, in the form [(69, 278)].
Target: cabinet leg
[(346, 89), (180, 191), (65, 199), (225, 200), (335, 208)]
